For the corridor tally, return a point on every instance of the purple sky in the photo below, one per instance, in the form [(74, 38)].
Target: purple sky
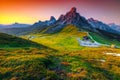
[(30, 11)]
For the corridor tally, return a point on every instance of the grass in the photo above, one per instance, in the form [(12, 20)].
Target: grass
[(88, 61), (104, 40), (83, 64), (70, 62), (59, 42), (7, 41), (64, 40), (25, 64)]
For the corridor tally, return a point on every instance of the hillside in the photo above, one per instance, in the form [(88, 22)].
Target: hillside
[(73, 18), (73, 31), (27, 64), (104, 40), (77, 62), (9, 41), (71, 61), (66, 38)]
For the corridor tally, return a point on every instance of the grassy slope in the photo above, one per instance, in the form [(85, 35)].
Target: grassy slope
[(81, 62), (26, 64), (21, 59), (72, 62), (9, 41), (103, 39), (64, 40), (86, 64)]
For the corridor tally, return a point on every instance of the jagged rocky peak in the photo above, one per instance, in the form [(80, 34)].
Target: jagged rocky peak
[(51, 21), (72, 17), (52, 18), (73, 9), (92, 19), (72, 12)]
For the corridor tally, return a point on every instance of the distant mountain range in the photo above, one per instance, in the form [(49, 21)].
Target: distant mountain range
[(14, 29), (15, 25), (71, 17), (114, 26), (100, 25)]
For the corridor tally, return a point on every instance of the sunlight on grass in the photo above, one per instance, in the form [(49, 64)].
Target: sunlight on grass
[(63, 58)]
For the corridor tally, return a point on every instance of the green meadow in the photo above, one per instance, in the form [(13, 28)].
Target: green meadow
[(61, 58)]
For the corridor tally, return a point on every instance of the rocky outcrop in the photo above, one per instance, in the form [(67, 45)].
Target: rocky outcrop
[(72, 17), (101, 26)]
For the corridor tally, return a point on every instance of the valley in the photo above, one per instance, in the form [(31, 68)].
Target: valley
[(67, 60)]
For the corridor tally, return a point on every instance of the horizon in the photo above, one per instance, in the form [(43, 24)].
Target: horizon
[(29, 12)]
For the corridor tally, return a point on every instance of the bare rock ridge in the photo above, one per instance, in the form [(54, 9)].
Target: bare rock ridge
[(101, 26), (72, 17), (52, 18), (73, 10)]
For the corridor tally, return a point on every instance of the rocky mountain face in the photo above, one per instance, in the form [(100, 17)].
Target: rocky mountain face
[(51, 21), (114, 26), (47, 22), (42, 25), (21, 29), (71, 17), (74, 18), (101, 26), (104, 29)]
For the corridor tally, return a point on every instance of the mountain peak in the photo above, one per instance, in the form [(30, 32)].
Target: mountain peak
[(73, 10), (72, 17), (92, 19), (52, 18)]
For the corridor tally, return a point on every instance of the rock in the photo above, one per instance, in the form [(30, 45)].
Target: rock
[(72, 17)]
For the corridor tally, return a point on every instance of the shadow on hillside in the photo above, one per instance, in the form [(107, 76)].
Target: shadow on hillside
[(10, 41)]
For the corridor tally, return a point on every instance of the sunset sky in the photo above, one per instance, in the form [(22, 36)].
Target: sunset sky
[(30, 11)]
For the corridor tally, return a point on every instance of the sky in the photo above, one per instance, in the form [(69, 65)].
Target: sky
[(31, 11)]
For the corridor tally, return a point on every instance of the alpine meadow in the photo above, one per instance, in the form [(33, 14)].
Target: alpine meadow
[(65, 47)]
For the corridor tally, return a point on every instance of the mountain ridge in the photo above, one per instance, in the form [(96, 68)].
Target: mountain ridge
[(14, 25), (71, 17), (10, 41), (102, 26)]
